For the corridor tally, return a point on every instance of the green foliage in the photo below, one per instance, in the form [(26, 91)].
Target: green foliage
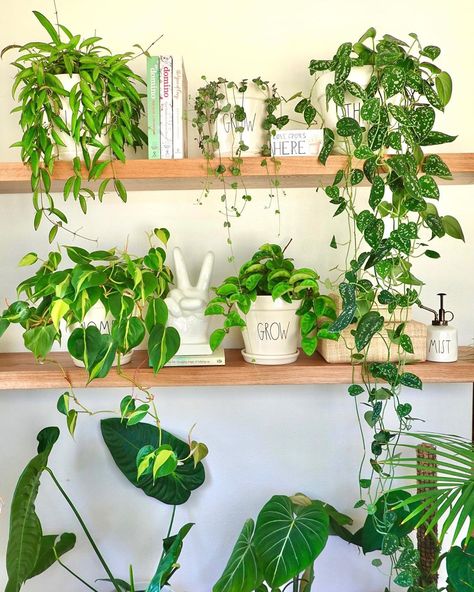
[(106, 110), (270, 273), (131, 445), (289, 534), (123, 284)]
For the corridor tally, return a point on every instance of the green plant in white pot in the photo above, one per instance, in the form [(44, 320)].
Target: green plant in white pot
[(267, 300), (106, 304), (77, 100)]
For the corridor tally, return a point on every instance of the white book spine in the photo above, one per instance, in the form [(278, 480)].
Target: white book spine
[(166, 106), (179, 106)]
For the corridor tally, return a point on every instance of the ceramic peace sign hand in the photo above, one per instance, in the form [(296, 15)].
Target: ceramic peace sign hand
[(188, 300)]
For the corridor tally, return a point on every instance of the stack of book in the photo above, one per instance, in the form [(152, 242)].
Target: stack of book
[(166, 98)]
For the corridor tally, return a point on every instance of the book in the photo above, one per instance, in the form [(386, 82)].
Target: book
[(166, 106), (153, 106), (180, 94), (217, 358)]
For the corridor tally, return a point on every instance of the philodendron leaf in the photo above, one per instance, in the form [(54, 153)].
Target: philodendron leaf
[(242, 572), (162, 345), (460, 567), (52, 546), (26, 534), (288, 538), (39, 340), (125, 442)]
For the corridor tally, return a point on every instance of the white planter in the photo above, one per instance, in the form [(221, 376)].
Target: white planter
[(352, 105), (253, 136), (271, 334), (98, 317)]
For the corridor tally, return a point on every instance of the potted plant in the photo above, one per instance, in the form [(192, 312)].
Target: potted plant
[(30, 552), (106, 303), (267, 300), (389, 233), (76, 100), (279, 550)]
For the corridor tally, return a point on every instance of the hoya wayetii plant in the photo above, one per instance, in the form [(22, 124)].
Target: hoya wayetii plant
[(223, 100), (105, 110), (386, 150)]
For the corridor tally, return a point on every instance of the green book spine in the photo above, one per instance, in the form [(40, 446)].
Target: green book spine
[(153, 102)]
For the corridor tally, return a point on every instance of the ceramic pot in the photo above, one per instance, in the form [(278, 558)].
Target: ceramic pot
[(253, 136), (98, 317), (352, 105), (271, 334)]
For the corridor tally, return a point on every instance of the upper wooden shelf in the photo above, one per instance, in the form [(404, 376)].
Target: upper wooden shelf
[(190, 173), (20, 371)]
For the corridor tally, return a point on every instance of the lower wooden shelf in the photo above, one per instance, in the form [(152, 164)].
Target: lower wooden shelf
[(20, 371)]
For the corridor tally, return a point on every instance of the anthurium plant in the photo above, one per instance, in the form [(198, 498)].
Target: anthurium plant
[(389, 234), (270, 273), (105, 112), (131, 289), (30, 552), (278, 551)]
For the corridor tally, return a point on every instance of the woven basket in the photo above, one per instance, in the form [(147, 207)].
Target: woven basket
[(340, 351)]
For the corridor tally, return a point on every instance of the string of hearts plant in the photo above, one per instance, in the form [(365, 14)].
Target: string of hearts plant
[(386, 150), (221, 101), (105, 111)]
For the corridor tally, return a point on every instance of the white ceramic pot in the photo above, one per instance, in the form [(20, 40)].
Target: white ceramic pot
[(352, 105), (253, 136), (98, 317), (271, 334)]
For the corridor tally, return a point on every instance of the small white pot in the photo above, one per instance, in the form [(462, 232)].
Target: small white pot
[(98, 317), (271, 334), (253, 136), (352, 105)]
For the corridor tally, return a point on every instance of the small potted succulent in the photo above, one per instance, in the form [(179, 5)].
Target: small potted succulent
[(272, 301), (77, 101), (106, 303)]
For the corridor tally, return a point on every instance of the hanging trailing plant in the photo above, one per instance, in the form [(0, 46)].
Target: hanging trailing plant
[(221, 117), (385, 149), (104, 115)]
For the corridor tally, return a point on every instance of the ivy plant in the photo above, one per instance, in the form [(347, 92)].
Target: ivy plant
[(386, 150), (130, 288), (270, 273), (221, 97), (106, 110)]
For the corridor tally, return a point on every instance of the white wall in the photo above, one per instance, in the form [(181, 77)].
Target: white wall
[(262, 440)]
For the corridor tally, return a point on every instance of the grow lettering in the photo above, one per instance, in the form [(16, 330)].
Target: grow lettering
[(272, 331), (229, 123)]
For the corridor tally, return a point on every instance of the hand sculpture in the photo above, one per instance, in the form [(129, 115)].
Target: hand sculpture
[(186, 305)]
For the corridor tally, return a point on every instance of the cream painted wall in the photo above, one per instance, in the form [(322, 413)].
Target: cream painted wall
[(262, 440)]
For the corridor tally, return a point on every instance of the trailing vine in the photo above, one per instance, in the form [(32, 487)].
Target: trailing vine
[(397, 114), (223, 98)]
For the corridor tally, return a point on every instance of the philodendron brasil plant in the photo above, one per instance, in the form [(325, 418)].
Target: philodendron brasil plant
[(130, 288), (30, 552), (105, 111), (279, 550), (220, 112), (270, 273), (389, 234)]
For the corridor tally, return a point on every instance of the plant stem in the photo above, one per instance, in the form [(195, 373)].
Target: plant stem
[(75, 575), (85, 529)]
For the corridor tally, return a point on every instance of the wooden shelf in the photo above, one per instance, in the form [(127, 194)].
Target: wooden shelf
[(20, 371), (190, 173)]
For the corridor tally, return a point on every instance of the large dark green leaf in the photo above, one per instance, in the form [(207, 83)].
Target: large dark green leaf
[(349, 306), (288, 538), (242, 572), (370, 324), (25, 537), (124, 444), (460, 567)]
